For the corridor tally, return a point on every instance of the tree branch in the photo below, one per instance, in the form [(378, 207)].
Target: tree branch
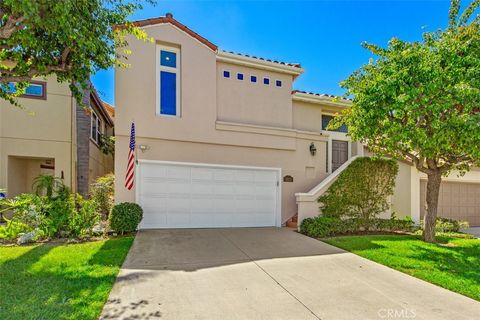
[(13, 24)]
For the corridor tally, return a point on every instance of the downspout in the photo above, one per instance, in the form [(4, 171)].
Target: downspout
[(73, 144)]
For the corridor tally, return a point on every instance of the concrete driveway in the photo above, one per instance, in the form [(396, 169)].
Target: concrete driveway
[(267, 273), (475, 231)]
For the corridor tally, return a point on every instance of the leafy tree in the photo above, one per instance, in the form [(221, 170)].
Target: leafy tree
[(420, 102), (70, 39)]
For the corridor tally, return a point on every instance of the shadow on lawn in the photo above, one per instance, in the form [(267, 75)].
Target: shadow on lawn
[(37, 285), (457, 263)]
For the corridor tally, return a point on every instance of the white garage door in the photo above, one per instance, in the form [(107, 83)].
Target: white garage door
[(185, 195)]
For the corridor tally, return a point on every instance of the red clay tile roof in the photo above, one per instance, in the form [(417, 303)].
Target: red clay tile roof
[(320, 94), (110, 109), (295, 65), (169, 19)]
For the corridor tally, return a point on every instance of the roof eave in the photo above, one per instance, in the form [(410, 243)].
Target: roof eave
[(257, 63), (324, 100), (169, 19)]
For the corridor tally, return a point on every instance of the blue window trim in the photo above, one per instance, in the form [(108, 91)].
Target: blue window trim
[(266, 81), (240, 76), (253, 78), (226, 74)]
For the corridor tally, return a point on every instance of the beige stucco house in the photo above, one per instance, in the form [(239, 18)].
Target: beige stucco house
[(53, 135), (222, 138)]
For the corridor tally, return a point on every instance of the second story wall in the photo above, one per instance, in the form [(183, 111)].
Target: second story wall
[(137, 88), (44, 118), (307, 116), (251, 101)]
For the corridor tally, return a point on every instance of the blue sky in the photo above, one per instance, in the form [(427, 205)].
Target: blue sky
[(324, 36)]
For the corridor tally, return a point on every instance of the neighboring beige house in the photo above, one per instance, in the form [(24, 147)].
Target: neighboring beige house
[(52, 135), (223, 140)]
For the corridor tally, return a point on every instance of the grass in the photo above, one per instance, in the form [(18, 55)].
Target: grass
[(59, 281), (453, 263)]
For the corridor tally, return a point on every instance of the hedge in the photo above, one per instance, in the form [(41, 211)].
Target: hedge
[(322, 226), (361, 190)]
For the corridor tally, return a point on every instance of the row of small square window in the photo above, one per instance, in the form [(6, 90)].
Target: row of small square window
[(240, 76)]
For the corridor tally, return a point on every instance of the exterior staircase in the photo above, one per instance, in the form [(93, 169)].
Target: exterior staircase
[(293, 222), (307, 205)]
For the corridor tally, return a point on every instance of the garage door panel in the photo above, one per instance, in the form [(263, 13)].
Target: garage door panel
[(201, 174), (177, 219), (457, 200), (150, 220), (223, 175), (152, 172), (190, 196), (224, 188), (265, 176), (244, 176)]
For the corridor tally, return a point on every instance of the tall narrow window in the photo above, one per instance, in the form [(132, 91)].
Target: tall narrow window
[(169, 81), (95, 127)]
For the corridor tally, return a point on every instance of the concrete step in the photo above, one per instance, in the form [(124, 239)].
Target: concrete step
[(293, 222)]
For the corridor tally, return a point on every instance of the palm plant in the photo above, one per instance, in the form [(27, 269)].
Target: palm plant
[(47, 184)]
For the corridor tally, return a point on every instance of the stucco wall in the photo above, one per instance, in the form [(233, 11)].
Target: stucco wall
[(401, 200), (307, 116), (43, 130), (222, 121), (255, 103)]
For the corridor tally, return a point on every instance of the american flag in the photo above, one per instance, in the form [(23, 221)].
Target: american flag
[(130, 176)]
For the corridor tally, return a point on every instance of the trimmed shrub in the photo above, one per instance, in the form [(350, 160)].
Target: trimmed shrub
[(125, 217), (319, 227), (322, 226), (448, 225), (84, 218), (102, 192), (361, 191)]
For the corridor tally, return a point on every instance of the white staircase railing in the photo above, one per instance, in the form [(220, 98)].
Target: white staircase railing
[(307, 205)]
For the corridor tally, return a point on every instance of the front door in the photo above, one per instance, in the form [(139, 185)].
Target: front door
[(339, 153)]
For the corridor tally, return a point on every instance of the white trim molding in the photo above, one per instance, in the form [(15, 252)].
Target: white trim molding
[(237, 59), (321, 99), (177, 71)]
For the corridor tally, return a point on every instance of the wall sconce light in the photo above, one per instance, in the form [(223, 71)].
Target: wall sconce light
[(313, 149), (143, 147)]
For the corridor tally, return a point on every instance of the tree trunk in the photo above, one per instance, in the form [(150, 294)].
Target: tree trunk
[(433, 190)]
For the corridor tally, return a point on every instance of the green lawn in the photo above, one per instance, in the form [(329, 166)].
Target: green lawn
[(453, 264), (63, 281)]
